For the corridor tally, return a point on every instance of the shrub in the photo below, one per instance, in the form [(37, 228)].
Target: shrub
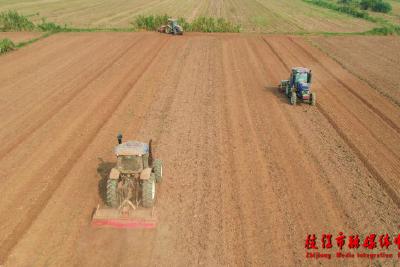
[(345, 2), (382, 7), (365, 4), (350, 10), (209, 24), (6, 45), (50, 26), (388, 30), (376, 5), (150, 23), (13, 21)]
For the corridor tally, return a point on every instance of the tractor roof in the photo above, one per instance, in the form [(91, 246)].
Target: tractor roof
[(131, 148), (300, 69), (172, 19)]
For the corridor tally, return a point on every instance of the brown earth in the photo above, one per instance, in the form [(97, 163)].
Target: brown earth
[(18, 37), (247, 176), (373, 59)]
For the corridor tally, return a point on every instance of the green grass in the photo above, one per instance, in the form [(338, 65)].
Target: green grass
[(209, 24), (6, 45), (200, 24), (50, 26), (31, 41), (13, 21), (349, 10), (385, 30), (384, 27), (149, 23)]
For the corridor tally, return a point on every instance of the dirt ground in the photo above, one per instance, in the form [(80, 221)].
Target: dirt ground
[(18, 37), (373, 59), (246, 176)]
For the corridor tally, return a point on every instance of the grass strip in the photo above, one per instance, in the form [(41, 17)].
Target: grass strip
[(385, 27)]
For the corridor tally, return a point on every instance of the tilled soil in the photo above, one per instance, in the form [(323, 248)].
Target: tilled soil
[(246, 175), (373, 59)]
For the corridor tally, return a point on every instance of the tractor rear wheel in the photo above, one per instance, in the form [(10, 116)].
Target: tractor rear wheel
[(293, 98), (313, 99), (149, 191), (112, 193), (157, 167)]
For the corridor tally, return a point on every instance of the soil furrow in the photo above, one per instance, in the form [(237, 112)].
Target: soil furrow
[(379, 178), (247, 176), (39, 123), (384, 117)]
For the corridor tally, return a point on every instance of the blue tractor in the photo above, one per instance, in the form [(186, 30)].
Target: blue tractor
[(298, 87)]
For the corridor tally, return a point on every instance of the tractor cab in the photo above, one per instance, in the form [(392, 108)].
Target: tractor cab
[(132, 157), (300, 78), (172, 22), (173, 27)]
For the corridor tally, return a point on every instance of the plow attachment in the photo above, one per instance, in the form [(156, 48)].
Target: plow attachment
[(114, 218)]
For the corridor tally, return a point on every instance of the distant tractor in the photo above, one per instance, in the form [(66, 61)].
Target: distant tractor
[(171, 28), (131, 188), (298, 87)]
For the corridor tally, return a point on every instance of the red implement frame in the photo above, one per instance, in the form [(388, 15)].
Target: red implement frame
[(113, 218)]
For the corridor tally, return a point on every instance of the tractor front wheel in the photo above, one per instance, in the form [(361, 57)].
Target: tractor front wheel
[(293, 98), (313, 101), (149, 191), (112, 193)]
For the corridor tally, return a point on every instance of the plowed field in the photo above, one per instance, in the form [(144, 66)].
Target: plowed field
[(246, 175), (373, 59)]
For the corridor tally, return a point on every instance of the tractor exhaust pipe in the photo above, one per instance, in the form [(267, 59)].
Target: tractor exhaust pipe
[(119, 137)]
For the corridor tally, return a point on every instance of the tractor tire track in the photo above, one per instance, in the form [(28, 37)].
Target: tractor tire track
[(384, 117), (378, 177), (389, 146)]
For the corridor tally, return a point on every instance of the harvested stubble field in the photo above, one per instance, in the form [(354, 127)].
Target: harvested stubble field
[(253, 15), (247, 176)]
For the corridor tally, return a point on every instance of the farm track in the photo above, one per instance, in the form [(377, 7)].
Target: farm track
[(247, 176)]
